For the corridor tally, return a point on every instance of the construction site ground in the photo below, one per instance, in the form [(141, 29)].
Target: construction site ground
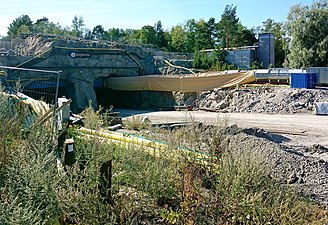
[(295, 146), (300, 129)]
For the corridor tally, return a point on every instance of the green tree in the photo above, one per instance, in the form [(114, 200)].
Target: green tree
[(19, 25), (147, 35), (114, 34), (205, 34), (77, 26), (227, 27), (160, 35), (131, 36), (44, 26), (178, 38), (244, 36), (190, 30), (308, 28), (41, 25), (98, 32), (24, 30)]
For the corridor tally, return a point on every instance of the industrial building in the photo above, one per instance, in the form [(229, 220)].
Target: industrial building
[(243, 57)]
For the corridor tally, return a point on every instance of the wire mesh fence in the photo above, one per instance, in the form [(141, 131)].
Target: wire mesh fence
[(8, 47), (37, 84), (41, 87)]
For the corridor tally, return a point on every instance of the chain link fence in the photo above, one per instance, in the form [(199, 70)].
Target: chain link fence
[(37, 84), (7, 47)]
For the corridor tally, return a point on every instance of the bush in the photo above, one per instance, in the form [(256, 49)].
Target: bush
[(27, 195)]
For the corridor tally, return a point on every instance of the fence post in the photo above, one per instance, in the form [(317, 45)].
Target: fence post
[(106, 181), (69, 157)]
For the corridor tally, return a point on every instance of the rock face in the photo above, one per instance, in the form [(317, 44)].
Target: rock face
[(82, 62), (262, 100)]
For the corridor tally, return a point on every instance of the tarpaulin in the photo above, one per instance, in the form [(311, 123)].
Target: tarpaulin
[(185, 83)]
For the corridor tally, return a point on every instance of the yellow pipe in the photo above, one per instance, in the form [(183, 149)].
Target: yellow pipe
[(154, 147)]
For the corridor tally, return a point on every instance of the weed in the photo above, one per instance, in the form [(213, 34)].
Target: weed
[(136, 123)]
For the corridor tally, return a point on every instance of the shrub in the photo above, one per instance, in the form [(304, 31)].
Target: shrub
[(27, 195)]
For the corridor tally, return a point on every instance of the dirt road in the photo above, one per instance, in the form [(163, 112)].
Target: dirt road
[(299, 128)]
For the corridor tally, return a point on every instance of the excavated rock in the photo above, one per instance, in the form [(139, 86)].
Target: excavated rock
[(262, 100), (307, 175)]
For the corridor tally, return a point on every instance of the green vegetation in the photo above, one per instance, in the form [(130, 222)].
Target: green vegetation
[(307, 26), (162, 188), (214, 61)]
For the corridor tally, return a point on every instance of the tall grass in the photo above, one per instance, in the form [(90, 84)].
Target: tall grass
[(10, 127), (146, 188)]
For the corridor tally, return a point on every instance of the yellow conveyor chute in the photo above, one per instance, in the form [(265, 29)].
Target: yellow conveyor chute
[(186, 83)]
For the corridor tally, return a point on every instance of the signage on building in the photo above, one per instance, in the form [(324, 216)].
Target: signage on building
[(79, 55)]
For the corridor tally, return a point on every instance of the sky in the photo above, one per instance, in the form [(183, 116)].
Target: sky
[(137, 13)]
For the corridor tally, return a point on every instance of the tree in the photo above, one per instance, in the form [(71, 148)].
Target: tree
[(227, 27), (190, 29), (168, 40), (98, 32), (131, 36), (16, 28), (160, 35), (244, 36), (178, 38), (114, 34), (44, 26), (78, 26), (204, 34), (24, 30), (308, 28), (147, 35), (41, 25)]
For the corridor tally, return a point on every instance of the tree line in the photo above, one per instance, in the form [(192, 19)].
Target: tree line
[(300, 42)]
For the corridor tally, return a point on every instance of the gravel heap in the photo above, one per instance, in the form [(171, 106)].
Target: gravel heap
[(307, 175), (262, 100)]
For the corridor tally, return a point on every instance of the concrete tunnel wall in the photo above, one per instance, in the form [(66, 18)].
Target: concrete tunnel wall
[(82, 66)]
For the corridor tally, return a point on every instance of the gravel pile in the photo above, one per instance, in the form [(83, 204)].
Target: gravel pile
[(307, 175), (262, 100)]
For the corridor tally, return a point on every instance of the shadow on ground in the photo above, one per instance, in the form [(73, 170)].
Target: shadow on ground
[(265, 134)]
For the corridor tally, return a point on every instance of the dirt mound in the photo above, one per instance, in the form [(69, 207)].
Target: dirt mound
[(306, 174), (262, 100)]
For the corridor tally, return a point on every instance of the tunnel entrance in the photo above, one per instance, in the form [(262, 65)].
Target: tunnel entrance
[(135, 99), (107, 97)]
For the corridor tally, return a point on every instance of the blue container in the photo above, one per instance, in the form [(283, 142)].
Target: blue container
[(303, 80)]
